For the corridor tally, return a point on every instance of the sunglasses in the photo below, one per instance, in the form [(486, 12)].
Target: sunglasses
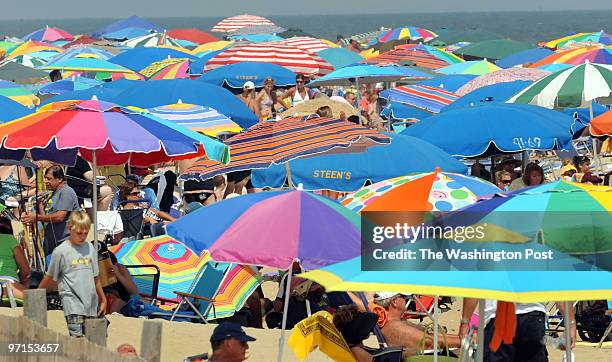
[(299, 81), (134, 193), (506, 182)]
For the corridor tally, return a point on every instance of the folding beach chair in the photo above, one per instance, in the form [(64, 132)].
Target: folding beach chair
[(5, 285)]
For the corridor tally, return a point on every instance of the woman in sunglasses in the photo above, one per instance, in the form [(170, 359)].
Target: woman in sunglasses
[(132, 198), (503, 179), (300, 93)]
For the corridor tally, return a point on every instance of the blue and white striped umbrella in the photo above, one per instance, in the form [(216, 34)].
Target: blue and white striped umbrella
[(197, 118)]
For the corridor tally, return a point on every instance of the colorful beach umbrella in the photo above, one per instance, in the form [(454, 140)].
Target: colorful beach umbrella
[(405, 33), (139, 58), (491, 129), (597, 37), (19, 73), (68, 85), (410, 55), (310, 44), (234, 23), (237, 286), (339, 57), (448, 57), (492, 49), (235, 75), (527, 56), (448, 82), (565, 56), (11, 109), (494, 93), (197, 118), (48, 34), (573, 87), (28, 60), (31, 46), (18, 94), (170, 68), (475, 67), (501, 76), (290, 57), (277, 142), (602, 125), (424, 97), (86, 63), (126, 34), (152, 40), (600, 56), (431, 191), (368, 73), (87, 52), (132, 21), (215, 45), (193, 35)]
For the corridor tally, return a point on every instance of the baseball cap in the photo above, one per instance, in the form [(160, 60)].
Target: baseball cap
[(227, 330), (386, 295), (249, 85)]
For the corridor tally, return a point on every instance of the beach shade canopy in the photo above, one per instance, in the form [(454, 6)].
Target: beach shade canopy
[(349, 171), (310, 44), (49, 34), (602, 125), (492, 49), (553, 68), (448, 57), (31, 46), (18, 93), (500, 76), (84, 63), (139, 58), (170, 68), (163, 92), (255, 38), (193, 35), (257, 30), (234, 23), (21, 74), (28, 60), (573, 87), (494, 93), (125, 34), (11, 109), (89, 52), (152, 40), (80, 40), (118, 135), (523, 57), (215, 45), (491, 129), (197, 66), (293, 32), (130, 22), (235, 75), (68, 85), (424, 97), (197, 118), (600, 56), (448, 82), (449, 36), (475, 67), (428, 191), (306, 227), (395, 111), (337, 104), (411, 55), (290, 57), (367, 73), (595, 37), (406, 33), (569, 56), (339, 57), (278, 142)]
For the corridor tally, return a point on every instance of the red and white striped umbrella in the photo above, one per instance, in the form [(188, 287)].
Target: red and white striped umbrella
[(291, 57), (307, 43), (240, 21)]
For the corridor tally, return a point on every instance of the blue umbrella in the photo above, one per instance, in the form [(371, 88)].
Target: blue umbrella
[(486, 130), (555, 67), (106, 92), (349, 171), (139, 58), (162, 92), (448, 82), (525, 56), (68, 85), (424, 97), (367, 73), (234, 75), (396, 111), (339, 57), (496, 93), (126, 33), (132, 21), (197, 67), (12, 110), (72, 53)]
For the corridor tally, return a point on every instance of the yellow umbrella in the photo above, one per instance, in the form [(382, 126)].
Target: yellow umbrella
[(31, 46), (215, 45), (369, 53)]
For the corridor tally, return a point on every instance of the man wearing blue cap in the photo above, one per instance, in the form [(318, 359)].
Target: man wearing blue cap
[(229, 343)]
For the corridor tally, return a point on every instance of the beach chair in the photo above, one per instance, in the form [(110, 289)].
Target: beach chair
[(146, 280), (5, 284), (608, 314)]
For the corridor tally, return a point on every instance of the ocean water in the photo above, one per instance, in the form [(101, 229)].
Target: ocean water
[(525, 26)]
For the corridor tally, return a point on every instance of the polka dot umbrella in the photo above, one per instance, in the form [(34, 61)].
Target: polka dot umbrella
[(433, 191)]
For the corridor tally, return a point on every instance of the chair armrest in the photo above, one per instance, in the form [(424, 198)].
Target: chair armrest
[(156, 276), (187, 295)]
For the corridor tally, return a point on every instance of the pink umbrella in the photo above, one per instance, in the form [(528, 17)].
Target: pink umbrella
[(48, 34), (501, 76)]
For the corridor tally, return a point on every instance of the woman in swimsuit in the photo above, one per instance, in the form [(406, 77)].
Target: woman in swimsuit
[(299, 93)]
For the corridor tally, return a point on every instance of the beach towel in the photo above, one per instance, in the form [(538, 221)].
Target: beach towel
[(505, 325)]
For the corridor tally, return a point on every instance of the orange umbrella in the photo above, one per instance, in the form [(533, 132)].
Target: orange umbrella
[(602, 125), (563, 56)]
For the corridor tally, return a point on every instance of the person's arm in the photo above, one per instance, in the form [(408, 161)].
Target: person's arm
[(101, 297), (469, 305), (163, 215), (288, 94), (361, 355), (125, 278), (53, 218), (22, 264), (572, 322), (46, 283)]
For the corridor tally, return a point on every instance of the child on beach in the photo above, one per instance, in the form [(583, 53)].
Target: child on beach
[(74, 267)]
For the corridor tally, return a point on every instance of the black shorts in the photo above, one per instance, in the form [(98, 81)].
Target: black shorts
[(528, 344)]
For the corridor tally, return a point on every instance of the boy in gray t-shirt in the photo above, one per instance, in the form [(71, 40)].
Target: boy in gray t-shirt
[(74, 266)]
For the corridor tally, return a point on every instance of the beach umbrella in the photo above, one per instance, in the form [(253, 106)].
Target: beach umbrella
[(367, 73), (448, 82), (564, 56), (600, 56), (80, 40), (88, 52), (212, 46), (85, 63), (602, 125), (240, 21), (130, 22), (19, 73), (399, 112), (406, 33), (193, 35), (573, 87), (310, 44), (292, 32), (126, 33), (170, 68), (255, 38), (152, 40), (235, 75), (486, 130), (197, 67), (500, 76), (494, 93), (237, 286), (429, 191), (28, 61), (290, 57), (31, 46), (6, 45), (11, 109), (257, 30), (429, 98), (411, 55), (475, 67), (348, 172), (337, 104), (492, 49), (68, 85), (449, 36), (18, 94), (48, 34), (197, 118), (596, 37), (448, 57), (278, 142), (163, 92), (339, 57), (523, 57), (139, 58), (553, 68)]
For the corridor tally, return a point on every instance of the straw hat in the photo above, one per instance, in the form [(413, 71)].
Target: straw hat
[(311, 106)]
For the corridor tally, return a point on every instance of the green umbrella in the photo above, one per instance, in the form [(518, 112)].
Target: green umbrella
[(21, 74), (492, 49)]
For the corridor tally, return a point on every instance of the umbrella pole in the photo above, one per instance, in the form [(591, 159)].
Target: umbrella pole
[(95, 199), (288, 173), (281, 342), (481, 331), (568, 339), (435, 323), (595, 140)]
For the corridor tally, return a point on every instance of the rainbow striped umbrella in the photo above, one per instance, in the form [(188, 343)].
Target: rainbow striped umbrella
[(448, 57), (565, 56), (18, 94), (425, 97), (171, 68), (596, 37), (291, 57), (234, 23), (475, 67), (500, 76), (48, 34), (401, 55), (152, 40), (31, 46), (237, 286), (600, 56), (197, 118), (405, 33), (84, 63)]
